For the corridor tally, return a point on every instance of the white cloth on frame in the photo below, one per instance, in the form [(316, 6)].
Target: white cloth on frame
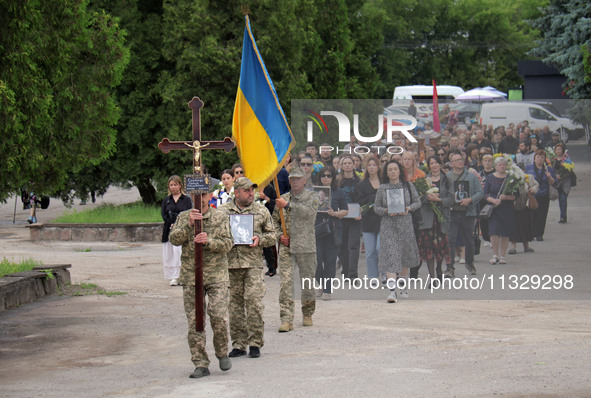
[(171, 256)]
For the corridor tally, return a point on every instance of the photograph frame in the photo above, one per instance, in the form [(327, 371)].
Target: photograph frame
[(242, 228), (395, 200), (461, 190), (324, 197), (354, 210)]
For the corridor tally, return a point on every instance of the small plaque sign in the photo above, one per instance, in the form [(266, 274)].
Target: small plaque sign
[(197, 183)]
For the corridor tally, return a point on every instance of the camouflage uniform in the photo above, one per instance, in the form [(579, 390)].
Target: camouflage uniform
[(299, 218), (215, 279), (247, 288)]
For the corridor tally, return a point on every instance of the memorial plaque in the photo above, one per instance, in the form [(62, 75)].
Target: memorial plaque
[(196, 184)]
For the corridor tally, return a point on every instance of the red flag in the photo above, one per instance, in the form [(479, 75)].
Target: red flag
[(436, 125)]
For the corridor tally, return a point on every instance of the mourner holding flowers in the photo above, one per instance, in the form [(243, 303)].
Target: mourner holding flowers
[(500, 189)]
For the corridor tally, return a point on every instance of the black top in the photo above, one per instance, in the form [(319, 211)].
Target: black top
[(338, 201), (370, 221), (171, 209), (350, 187), (509, 145)]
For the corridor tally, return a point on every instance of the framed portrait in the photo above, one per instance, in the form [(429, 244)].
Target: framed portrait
[(242, 227), (461, 190), (324, 198), (354, 210), (395, 200)]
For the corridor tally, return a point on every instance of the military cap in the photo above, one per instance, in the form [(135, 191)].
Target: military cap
[(297, 172), (244, 183)]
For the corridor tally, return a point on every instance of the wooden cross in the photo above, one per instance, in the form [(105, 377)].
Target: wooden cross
[(197, 145)]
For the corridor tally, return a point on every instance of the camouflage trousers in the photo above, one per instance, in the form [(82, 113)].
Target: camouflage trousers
[(217, 308), (306, 263), (247, 290)]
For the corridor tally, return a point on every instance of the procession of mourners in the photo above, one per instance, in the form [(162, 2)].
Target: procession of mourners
[(474, 191)]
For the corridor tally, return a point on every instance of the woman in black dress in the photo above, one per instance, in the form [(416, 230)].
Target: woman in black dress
[(501, 223)]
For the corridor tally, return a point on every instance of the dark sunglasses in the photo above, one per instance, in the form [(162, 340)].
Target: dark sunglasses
[(326, 175), (306, 164), (238, 172)]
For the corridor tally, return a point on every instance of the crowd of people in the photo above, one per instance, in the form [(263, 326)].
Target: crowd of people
[(428, 203), (454, 177)]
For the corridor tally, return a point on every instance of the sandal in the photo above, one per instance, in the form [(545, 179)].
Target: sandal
[(502, 260), (494, 259)]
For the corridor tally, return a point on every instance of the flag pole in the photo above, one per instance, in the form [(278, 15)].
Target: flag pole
[(276, 183)]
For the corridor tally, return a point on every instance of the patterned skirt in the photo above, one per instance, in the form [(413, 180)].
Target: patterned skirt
[(433, 244)]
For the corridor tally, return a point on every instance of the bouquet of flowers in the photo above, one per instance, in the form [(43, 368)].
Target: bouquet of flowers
[(550, 155), (515, 176), (366, 207), (567, 167), (425, 186)]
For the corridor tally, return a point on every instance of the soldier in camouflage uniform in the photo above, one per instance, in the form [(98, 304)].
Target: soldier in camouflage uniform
[(299, 248), (247, 288), (217, 242)]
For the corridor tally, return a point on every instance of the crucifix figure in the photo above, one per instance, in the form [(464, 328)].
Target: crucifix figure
[(197, 145)]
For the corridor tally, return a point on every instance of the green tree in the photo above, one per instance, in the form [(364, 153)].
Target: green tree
[(468, 43), (566, 27), (204, 46), (59, 65), (137, 160)]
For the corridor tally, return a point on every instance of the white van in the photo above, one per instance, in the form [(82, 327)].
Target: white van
[(504, 113), (422, 93)]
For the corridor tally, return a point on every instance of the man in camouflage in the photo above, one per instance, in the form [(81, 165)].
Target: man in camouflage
[(217, 242), (299, 248), (247, 288)]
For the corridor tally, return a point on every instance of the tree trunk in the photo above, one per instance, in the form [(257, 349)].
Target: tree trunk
[(147, 192)]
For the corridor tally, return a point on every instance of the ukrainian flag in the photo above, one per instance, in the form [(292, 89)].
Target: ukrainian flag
[(259, 128)]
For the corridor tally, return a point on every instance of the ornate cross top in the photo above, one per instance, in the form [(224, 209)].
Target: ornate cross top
[(202, 183), (196, 144)]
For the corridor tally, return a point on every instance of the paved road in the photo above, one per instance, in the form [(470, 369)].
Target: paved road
[(135, 344)]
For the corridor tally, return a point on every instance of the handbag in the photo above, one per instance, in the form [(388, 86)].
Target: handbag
[(521, 201), (552, 192), (532, 202), (573, 179), (323, 229), (488, 208), (486, 211)]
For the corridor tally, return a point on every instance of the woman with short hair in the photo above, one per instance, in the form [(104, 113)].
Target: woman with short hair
[(545, 176), (501, 223), (564, 178)]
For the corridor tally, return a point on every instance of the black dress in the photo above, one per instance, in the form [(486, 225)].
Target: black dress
[(502, 220), (171, 209)]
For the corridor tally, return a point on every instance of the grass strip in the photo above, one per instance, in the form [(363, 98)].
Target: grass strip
[(10, 267), (129, 213)]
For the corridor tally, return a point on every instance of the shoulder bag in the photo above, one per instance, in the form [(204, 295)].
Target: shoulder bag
[(323, 229), (532, 201), (488, 208), (552, 192)]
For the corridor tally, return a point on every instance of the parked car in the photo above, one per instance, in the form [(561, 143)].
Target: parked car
[(503, 113), (467, 112)]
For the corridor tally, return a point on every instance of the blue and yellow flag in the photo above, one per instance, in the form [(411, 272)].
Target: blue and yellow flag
[(259, 128)]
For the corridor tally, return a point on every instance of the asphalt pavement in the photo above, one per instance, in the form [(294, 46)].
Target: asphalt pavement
[(431, 344)]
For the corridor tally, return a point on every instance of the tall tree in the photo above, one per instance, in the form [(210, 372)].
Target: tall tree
[(137, 160), (59, 65), (204, 45), (466, 42), (566, 26)]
